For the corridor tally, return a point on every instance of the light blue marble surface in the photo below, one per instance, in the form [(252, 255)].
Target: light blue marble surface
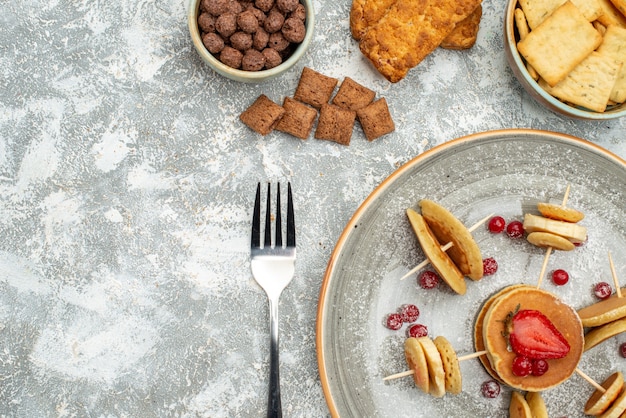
[(126, 190)]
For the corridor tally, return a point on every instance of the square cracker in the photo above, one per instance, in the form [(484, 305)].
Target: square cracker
[(298, 118), (610, 14), (537, 11), (335, 124), (620, 5), (614, 46), (409, 31), (262, 115), (589, 84), (559, 43)]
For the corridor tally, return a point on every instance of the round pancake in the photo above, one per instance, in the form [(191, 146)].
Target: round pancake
[(447, 228), (438, 258), (479, 344), (561, 315), (518, 407), (416, 360), (601, 401), (453, 380)]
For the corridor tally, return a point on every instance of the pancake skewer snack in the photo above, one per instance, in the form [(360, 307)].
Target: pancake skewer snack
[(613, 310), (445, 247), (436, 225)]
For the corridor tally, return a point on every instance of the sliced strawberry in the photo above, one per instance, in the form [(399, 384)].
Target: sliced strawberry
[(533, 335)]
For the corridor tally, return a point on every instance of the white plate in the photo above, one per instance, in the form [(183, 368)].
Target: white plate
[(503, 172)]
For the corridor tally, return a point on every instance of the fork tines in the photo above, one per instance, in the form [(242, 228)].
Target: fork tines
[(278, 235)]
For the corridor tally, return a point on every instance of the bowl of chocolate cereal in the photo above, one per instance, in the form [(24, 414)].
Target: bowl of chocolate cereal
[(569, 57), (251, 40)]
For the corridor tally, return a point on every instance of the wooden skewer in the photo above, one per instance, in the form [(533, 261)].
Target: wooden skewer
[(618, 290), (445, 247), (411, 372), (566, 195), (549, 249), (590, 380), (544, 266)]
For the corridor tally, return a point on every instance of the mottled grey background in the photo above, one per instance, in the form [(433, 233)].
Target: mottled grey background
[(126, 188)]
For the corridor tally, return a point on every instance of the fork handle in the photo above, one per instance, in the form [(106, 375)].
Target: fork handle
[(274, 409)]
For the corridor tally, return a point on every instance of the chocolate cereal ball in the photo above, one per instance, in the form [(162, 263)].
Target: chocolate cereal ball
[(274, 21), (234, 7), (226, 24), (231, 57), (213, 42), (293, 30), (278, 42), (265, 5), (247, 21), (215, 7), (299, 12), (241, 41), (260, 39), (258, 13), (272, 58), (206, 22), (252, 60), (287, 6)]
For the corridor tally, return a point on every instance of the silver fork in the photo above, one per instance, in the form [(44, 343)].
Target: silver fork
[(273, 268)]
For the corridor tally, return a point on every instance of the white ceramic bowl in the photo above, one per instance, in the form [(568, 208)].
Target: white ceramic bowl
[(518, 67), (249, 76)]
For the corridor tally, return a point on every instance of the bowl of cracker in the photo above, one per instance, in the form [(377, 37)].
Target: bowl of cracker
[(569, 56), (251, 41)]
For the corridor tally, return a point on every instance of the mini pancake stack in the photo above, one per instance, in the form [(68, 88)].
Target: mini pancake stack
[(489, 328), (436, 226), (434, 364), (557, 228)]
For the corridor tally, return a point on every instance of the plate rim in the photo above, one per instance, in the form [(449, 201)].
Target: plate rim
[(382, 186)]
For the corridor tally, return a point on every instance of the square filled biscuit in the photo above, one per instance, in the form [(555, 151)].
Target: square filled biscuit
[(559, 43), (298, 118), (376, 120), (314, 88), (352, 95), (262, 115), (335, 124)]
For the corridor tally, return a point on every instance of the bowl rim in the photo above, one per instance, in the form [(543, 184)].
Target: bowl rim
[(552, 102), (241, 75)]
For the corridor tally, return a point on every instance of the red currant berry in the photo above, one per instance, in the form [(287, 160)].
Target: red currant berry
[(409, 313), (602, 290), (417, 331), (428, 279), (522, 366), (496, 224), (490, 389), (394, 321), (560, 277), (490, 266), (622, 350), (515, 229), (539, 367)]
